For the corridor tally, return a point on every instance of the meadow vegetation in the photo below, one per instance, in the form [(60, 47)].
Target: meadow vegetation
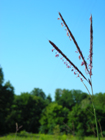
[(44, 137)]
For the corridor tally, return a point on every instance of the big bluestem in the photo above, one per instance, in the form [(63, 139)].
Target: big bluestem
[(69, 63)]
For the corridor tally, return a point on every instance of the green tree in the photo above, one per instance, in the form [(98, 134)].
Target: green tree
[(48, 99), (81, 119), (77, 120), (6, 102), (53, 115), (29, 109), (78, 96), (68, 98), (1, 76), (38, 92), (99, 102), (58, 94)]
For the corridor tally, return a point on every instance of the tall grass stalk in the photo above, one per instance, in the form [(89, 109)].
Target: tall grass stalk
[(69, 63)]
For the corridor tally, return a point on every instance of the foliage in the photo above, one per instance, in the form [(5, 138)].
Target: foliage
[(68, 98), (56, 130), (43, 137), (6, 101), (1, 76), (48, 99), (34, 112), (34, 105), (38, 92), (53, 115)]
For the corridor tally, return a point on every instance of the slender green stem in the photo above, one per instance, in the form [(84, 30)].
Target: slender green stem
[(96, 121), (86, 88), (91, 86), (93, 109), (98, 137)]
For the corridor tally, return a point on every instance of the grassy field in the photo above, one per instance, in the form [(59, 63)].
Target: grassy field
[(44, 137)]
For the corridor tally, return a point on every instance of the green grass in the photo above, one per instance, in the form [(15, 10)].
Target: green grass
[(43, 137)]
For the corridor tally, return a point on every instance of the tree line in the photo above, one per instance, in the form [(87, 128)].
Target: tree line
[(71, 111)]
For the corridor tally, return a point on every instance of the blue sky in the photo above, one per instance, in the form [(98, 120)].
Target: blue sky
[(25, 53)]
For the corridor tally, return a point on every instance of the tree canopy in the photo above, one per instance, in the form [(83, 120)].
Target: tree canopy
[(71, 111)]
